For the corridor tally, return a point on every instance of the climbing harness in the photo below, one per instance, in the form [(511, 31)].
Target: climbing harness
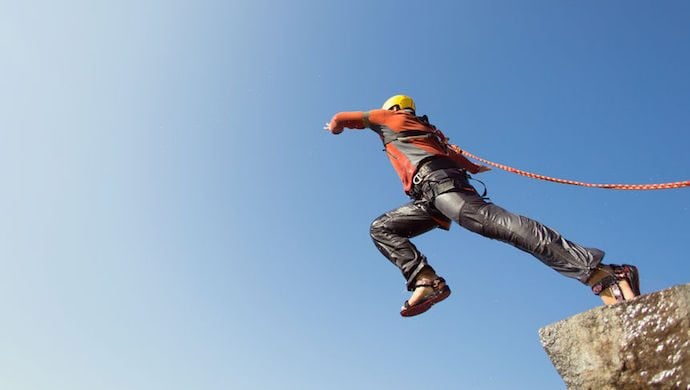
[(632, 187)]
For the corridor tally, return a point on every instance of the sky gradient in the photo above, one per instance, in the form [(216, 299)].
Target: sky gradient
[(173, 216)]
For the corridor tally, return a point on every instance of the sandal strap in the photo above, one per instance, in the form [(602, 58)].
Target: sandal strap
[(433, 283), (617, 293), (438, 281), (424, 283), (604, 283), (630, 274)]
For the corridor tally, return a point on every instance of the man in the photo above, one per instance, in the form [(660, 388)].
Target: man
[(434, 174)]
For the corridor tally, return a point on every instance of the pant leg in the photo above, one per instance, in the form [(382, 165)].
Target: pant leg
[(392, 231), (471, 211)]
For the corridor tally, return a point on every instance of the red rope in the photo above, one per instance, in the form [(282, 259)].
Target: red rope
[(635, 187)]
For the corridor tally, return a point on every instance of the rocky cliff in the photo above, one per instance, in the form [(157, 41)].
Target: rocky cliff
[(639, 344)]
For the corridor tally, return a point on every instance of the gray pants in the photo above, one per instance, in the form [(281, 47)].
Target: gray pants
[(447, 195)]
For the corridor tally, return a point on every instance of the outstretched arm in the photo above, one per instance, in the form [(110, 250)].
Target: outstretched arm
[(351, 120)]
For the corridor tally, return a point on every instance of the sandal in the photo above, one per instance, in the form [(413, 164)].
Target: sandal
[(441, 291), (618, 273)]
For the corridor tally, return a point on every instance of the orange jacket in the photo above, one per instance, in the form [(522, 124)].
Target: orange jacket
[(408, 139)]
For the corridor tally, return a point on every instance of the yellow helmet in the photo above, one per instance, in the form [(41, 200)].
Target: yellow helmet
[(402, 101)]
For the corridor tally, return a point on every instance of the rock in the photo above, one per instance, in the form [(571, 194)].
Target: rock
[(638, 344)]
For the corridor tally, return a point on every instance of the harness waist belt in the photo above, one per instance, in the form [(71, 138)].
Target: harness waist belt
[(431, 165)]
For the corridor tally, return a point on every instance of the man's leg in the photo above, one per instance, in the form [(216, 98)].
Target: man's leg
[(471, 211), (391, 233)]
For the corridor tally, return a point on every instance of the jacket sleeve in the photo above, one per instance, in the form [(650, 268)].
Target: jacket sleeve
[(358, 119), (351, 120)]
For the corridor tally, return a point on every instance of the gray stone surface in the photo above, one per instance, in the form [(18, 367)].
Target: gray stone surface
[(638, 344)]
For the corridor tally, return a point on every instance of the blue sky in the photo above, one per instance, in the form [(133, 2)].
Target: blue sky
[(174, 217)]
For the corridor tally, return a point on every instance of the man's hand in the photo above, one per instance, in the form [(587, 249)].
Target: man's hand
[(333, 128)]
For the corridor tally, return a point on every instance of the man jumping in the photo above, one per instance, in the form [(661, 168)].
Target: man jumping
[(434, 174)]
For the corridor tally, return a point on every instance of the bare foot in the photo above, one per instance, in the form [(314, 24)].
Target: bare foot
[(418, 294), (424, 277)]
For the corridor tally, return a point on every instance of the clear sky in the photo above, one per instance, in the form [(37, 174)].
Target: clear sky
[(172, 215)]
